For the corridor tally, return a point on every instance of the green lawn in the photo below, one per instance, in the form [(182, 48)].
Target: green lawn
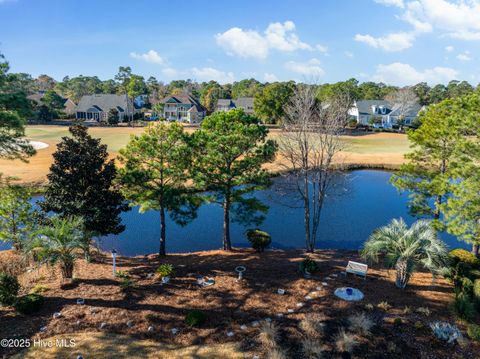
[(379, 143)]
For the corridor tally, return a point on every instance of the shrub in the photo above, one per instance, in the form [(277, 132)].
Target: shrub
[(312, 349), (308, 265), (369, 306), (38, 289), (276, 353), (418, 325), (126, 284), (195, 318), (122, 275), (344, 342), (463, 308), (29, 303), (476, 290), (464, 286), (384, 306), (424, 311), (473, 332), (464, 256), (9, 288), (312, 326), (407, 310), (165, 270), (258, 239), (268, 335), (445, 331), (397, 322), (361, 323)]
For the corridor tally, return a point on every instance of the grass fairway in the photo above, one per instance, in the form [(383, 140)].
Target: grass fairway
[(103, 345), (374, 150)]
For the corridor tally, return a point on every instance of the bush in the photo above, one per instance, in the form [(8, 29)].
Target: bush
[(464, 256), (29, 303), (195, 318), (445, 331), (9, 288), (38, 289), (258, 239), (476, 290), (463, 307), (473, 332), (361, 323), (165, 270), (308, 265), (397, 322)]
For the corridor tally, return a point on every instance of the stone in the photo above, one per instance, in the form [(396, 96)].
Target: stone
[(57, 315), (174, 331), (43, 329), (150, 275), (80, 301), (150, 329), (230, 334), (334, 275), (103, 325), (308, 297), (255, 323), (290, 310), (78, 322), (299, 305), (94, 310), (268, 320), (130, 324), (281, 291), (318, 288), (324, 284), (243, 327), (280, 315)]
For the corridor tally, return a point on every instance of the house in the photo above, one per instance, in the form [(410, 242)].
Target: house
[(246, 103), (96, 107), (382, 113), (69, 107), (185, 108)]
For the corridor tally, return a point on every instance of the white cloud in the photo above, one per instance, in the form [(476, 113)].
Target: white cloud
[(392, 42), (250, 43), (449, 48), (309, 68), (270, 77), (398, 3), (460, 19), (465, 56), (321, 48), (349, 54), (404, 74), (209, 73), (151, 56)]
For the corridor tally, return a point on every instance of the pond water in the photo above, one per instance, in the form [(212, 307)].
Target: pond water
[(362, 201)]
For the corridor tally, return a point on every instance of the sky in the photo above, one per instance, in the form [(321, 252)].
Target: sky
[(399, 42)]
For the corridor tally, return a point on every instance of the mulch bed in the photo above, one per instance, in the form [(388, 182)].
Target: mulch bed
[(229, 303)]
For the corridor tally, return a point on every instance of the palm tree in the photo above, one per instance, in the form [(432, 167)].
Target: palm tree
[(406, 248), (58, 242)]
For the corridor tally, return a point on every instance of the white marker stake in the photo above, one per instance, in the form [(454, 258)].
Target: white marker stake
[(114, 261)]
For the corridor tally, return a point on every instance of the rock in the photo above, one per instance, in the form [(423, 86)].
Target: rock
[(94, 310), (130, 324), (308, 297), (324, 284), (103, 325), (334, 275), (268, 320), (299, 305), (78, 322), (243, 327), (280, 315), (318, 288), (281, 291), (80, 301), (43, 329), (57, 315), (174, 331), (230, 334), (150, 329), (255, 323), (290, 310)]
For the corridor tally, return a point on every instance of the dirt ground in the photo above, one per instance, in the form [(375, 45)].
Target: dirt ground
[(229, 304), (383, 150)]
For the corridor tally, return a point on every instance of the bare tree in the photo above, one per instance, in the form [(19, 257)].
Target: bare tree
[(310, 142), (403, 101)]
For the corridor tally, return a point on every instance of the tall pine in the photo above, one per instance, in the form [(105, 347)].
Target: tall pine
[(80, 183)]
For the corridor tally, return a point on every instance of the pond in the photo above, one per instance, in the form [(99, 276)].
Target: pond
[(363, 200)]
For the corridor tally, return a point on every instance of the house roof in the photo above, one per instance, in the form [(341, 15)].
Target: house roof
[(245, 102), (409, 111), (365, 106), (104, 102), (186, 100), (225, 102)]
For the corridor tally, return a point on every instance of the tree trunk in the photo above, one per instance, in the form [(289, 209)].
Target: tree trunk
[(475, 249), (402, 274), (227, 245), (67, 269), (162, 251), (306, 211), (438, 202)]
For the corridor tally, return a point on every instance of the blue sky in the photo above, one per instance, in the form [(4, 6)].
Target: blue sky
[(400, 42)]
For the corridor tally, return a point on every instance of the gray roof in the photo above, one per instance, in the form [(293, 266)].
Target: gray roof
[(187, 100), (104, 102), (365, 106), (225, 102), (411, 111), (245, 102)]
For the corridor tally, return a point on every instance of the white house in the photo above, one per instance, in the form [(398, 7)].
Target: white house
[(383, 114), (184, 108)]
